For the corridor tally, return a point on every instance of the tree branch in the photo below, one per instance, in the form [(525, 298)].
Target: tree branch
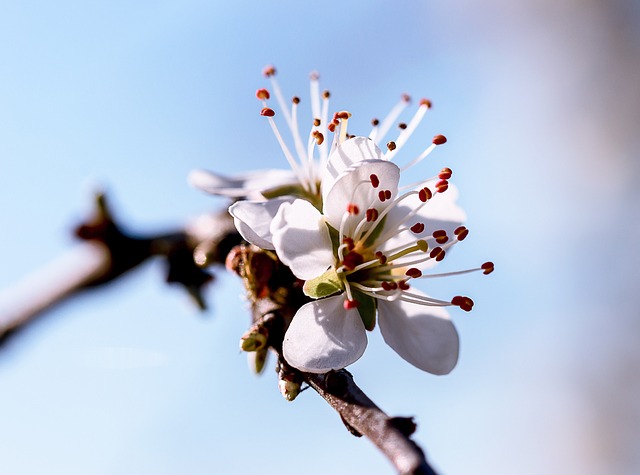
[(108, 252)]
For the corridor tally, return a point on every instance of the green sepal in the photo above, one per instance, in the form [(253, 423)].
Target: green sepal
[(294, 190), (327, 284), (367, 307)]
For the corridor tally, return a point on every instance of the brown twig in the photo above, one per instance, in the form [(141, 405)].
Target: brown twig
[(106, 253)]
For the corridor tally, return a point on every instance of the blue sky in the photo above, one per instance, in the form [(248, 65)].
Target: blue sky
[(131, 96)]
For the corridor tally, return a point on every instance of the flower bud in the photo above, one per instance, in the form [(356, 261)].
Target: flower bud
[(289, 389), (254, 339), (257, 359)]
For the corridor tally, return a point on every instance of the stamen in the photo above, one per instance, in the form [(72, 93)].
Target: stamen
[(408, 130), (414, 273), (389, 286), (375, 181), (348, 242), (442, 186), (417, 228), (381, 257), (353, 209), (439, 140), (425, 194), (465, 303), (315, 93), (391, 146), (350, 304), (445, 174), (262, 94), (440, 236), (372, 214), (402, 285), (487, 267), (269, 70), (380, 131), (420, 245), (292, 161), (461, 232), (437, 253)]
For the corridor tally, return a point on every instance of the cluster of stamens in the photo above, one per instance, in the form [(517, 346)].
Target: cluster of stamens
[(387, 275)]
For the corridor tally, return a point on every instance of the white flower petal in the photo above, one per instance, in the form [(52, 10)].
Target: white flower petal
[(349, 152), (324, 336), (243, 185), (253, 219), (301, 239), (347, 188), (423, 336)]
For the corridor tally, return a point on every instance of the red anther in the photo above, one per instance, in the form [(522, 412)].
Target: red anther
[(461, 232), (331, 127), (406, 97), (440, 236), (387, 194), (375, 181), (316, 122), (425, 102), (417, 228), (445, 174), (326, 94), (389, 285), (267, 112), (262, 94), (442, 186), (269, 71), (437, 253), (349, 243), (335, 121), (381, 257), (314, 75), (295, 100), (352, 208), (372, 214), (342, 115), (352, 260), (391, 145), (439, 140), (425, 194), (350, 304), (413, 273), (487, 268), (375, 122), (319, 137), (465, 303), (402, 285), (402, 126)]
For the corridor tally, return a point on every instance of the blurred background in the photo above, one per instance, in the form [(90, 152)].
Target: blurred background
[(541, 105)]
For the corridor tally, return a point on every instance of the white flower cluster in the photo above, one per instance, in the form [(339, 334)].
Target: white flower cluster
[(341, 222)]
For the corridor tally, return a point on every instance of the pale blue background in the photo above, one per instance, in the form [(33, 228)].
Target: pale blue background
[(540, 102)]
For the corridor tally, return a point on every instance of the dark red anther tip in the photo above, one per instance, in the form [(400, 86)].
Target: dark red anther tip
[(266, 112), (487, 268), (439, 139)]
